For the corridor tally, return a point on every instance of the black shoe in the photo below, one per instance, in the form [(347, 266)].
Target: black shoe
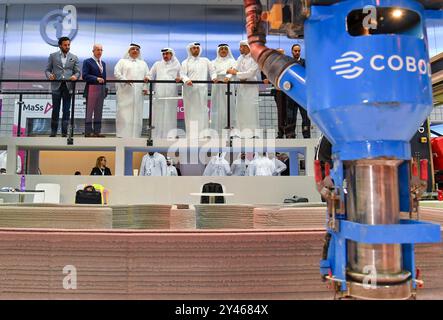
[(99, 135), (64, 135), (52, 135)]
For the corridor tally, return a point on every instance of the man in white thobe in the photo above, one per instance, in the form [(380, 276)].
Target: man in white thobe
[(261, 166), (4, 161), (218, 166), (195, 96), (219, 106), (164, 113), (153, 165), (247, 94), (240, 166), (279, 165), (129, 116), (171, 171)]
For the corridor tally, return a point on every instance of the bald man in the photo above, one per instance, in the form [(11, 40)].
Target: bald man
[(94, 73)]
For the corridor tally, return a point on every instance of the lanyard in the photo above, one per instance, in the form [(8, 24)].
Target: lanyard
[(99, 64)]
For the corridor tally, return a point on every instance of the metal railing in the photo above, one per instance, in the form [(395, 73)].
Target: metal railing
[(150, 83)]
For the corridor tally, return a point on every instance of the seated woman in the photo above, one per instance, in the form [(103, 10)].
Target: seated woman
[(100, 168)]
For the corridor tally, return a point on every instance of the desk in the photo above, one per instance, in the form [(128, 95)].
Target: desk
[(211, 195), (21, 194)]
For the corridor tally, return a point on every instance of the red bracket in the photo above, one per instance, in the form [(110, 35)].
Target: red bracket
[(317, 171), (424, 169)]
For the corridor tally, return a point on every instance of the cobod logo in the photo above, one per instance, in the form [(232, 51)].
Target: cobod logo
[(346, 65), (61, 22)]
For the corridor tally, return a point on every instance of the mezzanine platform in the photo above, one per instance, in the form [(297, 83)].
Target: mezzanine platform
[(128, 189)]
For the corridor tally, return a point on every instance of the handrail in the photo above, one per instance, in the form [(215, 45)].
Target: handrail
[(80, 92), (70, 140), (127, 81)]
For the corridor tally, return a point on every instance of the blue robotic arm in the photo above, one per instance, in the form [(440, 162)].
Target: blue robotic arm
[(367, 87)]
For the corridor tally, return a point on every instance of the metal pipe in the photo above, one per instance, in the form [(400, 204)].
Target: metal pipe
[(117, 81), (270, 61), (151, 107), (373, 199), (151, 99), (20, 106), (71, 131), (228, 104), (273, 64)]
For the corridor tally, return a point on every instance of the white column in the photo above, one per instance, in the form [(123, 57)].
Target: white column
[(11, 164)]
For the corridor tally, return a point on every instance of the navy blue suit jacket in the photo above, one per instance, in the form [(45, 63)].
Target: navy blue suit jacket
[(91, 71)]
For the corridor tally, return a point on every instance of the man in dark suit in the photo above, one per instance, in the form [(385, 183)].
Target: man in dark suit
[(281, 101), (293, 106), (62, 65), (94, 73)]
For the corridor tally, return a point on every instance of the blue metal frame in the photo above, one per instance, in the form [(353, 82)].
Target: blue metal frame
[(361, 109), (407, 233)]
